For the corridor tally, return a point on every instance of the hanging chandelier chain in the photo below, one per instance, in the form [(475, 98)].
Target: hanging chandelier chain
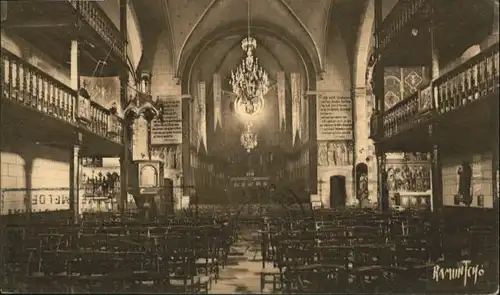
[(249, 80), (248, 18)]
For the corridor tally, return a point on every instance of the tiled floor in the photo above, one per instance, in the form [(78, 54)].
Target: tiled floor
[(242, 272)]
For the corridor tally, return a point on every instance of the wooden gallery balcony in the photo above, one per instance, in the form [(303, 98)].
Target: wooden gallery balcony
[(38, 107), (399, 20), (51, 26), (465, 97)]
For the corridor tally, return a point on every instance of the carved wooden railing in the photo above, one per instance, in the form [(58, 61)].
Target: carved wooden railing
[(400, 117), (470, 81), (473, 80), (29, 86), (396, 20), (96, 18), (104, 123)]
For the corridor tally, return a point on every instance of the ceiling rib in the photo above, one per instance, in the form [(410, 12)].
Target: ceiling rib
[(234, 28), (166, 12), (292, 13), (202, 16)]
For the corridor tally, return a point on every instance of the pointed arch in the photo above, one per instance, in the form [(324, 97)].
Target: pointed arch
[(262, 27), (363, 46)]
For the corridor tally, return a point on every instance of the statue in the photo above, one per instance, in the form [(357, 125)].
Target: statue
[(322, 154), (407, 179), (178, 157), (350, 152), (464, 182), (419, 180), (170, 158), (391, 181), (399, 179), (345, 154), (339, 156), (331, 154), (363, 187)]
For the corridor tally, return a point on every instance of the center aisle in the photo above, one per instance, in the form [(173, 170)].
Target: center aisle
[(241, 274)]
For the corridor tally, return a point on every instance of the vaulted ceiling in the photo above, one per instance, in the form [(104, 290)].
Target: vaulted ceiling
[(192, 25)]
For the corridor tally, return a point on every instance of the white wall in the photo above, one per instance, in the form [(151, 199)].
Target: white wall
[(43, 169)]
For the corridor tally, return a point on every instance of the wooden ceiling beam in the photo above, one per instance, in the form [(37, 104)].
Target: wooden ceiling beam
[(42, 24)]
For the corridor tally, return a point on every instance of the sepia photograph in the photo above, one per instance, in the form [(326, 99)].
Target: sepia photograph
[(249, 146)]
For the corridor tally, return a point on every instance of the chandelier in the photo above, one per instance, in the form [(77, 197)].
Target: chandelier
[(249, 138), (249, 81)]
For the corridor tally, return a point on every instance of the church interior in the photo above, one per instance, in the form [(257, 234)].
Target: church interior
[(249, 146)]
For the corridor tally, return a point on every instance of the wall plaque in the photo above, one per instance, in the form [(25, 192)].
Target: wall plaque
[(167, 127), (334, 117)]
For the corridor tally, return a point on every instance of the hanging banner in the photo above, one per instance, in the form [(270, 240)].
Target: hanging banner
[(202, 127), (295, 83), (103, 90), (334, 116), (304, 108), (281, 100), (140, 139), (166, 128), (217, 91), (192, 121)]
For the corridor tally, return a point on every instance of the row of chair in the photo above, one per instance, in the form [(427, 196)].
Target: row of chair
[(179, 255), (364, 251)]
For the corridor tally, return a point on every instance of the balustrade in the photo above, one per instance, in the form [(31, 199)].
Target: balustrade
[(99, 121), (28, 86), (97, 19), (401, 116), (472, 80), (399, 16)]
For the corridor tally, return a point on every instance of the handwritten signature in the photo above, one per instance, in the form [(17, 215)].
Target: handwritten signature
[(465, 271)]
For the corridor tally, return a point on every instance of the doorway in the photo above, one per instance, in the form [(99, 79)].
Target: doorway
[(338, 193)]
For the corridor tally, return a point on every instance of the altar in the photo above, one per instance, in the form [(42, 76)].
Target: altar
[(250, 182)]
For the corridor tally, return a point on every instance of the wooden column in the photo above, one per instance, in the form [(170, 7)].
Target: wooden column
[(495, 18), (74, 165), (74, 75), (74, 180), (433, 42), (382, 180), (436, 173), (495, 137)]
